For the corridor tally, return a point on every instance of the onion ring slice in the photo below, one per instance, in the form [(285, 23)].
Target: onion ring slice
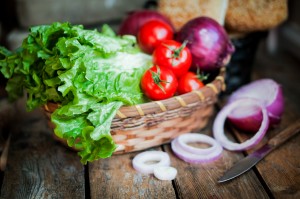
[(141, 162), (192, 138), (165, 172), (190, 157), (218, 126)]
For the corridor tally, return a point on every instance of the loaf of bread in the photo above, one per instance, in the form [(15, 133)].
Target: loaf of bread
[(181, 11), (255, 15), (215, 9), (242, 16)]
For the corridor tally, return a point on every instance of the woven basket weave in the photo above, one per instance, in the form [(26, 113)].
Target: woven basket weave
[(143, 126)]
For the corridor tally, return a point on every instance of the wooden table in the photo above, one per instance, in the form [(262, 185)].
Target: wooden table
[(40, 167)]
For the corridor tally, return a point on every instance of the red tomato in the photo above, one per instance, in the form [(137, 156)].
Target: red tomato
[(189, 82), (152, 34), (159, 83), (173, 55)]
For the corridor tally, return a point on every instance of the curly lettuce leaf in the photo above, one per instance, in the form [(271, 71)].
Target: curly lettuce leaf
[(91, 74)]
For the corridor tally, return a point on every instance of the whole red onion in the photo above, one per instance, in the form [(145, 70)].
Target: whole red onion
[(208, 42)]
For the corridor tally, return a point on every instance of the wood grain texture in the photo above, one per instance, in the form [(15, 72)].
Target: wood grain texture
[(38, 167), (280, 169), (288, 133), (200, 180), (116, 178)]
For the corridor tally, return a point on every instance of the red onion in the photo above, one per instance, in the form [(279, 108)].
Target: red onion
[(132, 23), (248, 117), (147, 161), (208, 42), (192, 154), (218, 126)]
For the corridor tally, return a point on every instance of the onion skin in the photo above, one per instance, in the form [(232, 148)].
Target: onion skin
[(258, 90), (208, 42), (247, 124), (276, 109), (132, 23)]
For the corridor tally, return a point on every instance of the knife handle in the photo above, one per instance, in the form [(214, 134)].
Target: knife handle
[(285, 134)]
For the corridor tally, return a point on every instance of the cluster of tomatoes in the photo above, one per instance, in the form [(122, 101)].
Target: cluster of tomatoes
[(170, 74)]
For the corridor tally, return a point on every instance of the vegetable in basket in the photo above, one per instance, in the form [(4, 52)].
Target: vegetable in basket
[(208, 42), (159, 83), (174, 56), (152, 33), (90, 74)]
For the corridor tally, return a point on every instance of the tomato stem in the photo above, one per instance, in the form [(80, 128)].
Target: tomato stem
[(157, 80), (176, 52), (201, 76)]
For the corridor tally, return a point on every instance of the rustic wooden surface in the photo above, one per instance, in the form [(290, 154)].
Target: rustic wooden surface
[(40, 167), (280, 170), (113, 178)]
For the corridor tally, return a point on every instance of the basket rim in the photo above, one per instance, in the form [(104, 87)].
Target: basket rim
[(201, 96)]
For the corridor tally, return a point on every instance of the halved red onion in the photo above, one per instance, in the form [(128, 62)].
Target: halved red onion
[(192, 154), (249, 118), (218, 126), (165, 172), (147, 161)]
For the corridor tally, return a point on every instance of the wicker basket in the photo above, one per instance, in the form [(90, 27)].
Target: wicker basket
[(143, 126)]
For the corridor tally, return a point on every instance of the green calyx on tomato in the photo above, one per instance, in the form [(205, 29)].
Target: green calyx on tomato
[(159, 83), (201, 76), (177, 51), (157, 80)]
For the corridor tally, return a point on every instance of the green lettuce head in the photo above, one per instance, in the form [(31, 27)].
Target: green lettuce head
[(90, 74)]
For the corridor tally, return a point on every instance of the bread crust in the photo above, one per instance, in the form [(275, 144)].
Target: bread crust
[(180, 12), (255, 15)]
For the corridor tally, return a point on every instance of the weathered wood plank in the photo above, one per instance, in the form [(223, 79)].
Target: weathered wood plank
[(38, 166), (280, 169), (200, 180), (115, 178)]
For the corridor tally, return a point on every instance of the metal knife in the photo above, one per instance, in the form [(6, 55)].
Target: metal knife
[(248, 162)]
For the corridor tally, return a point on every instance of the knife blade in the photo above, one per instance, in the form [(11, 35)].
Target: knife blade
[(252, 159)]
